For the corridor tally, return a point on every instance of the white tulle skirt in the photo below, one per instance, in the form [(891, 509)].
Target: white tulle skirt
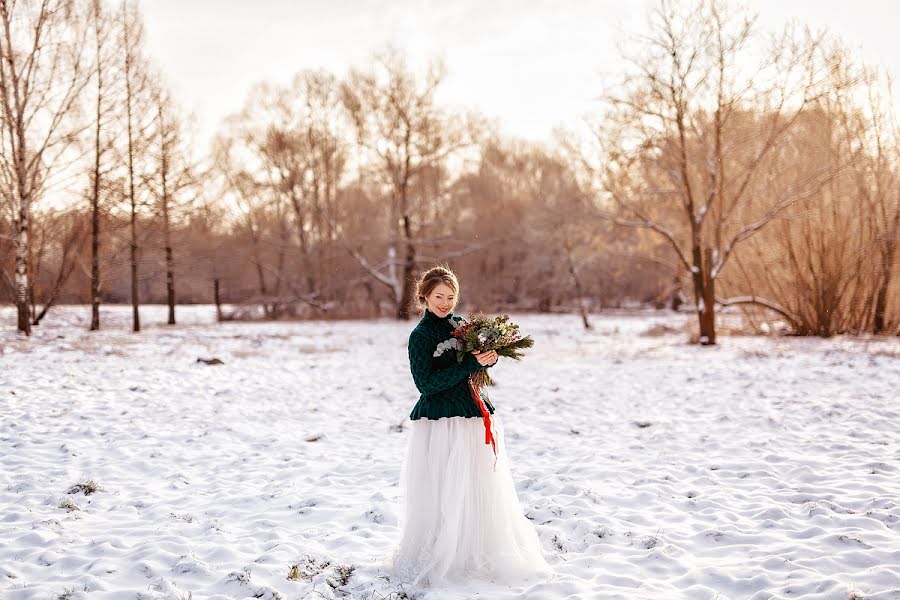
[(460, 516)]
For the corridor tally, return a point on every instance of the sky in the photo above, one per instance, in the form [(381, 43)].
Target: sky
[(531, 65)]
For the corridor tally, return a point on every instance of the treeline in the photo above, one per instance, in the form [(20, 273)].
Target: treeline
[(727, 167)]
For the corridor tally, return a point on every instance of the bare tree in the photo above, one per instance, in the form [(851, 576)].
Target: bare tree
[(405, 133), (104, 112), (282, 159), (244, 192), (552, 213), (136, 104), (688, 142), (175, 175), (42, 74), (128, 46), (167, 141), (257, 201), (305, 156), (320, 122)]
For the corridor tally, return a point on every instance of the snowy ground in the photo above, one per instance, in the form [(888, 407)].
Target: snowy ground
[(762, 468)]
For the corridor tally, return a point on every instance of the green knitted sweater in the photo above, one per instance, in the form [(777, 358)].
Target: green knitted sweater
[(438, 376)]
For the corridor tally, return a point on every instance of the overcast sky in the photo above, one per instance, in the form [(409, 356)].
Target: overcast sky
[(531, 64)]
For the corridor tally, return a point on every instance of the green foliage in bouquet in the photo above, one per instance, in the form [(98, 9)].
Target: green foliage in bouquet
[(482, 333)]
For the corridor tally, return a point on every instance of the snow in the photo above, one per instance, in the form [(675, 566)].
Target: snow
[(698, 217), (758, 468)]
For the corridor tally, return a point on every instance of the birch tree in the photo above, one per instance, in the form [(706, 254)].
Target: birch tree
[(43, 70)]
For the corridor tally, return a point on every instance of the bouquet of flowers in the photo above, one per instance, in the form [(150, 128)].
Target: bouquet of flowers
[(481, 333)]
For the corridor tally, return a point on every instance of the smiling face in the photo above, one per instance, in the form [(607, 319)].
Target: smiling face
[(441, 300)]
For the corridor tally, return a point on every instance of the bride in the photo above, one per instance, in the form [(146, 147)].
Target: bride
[(460, 515)]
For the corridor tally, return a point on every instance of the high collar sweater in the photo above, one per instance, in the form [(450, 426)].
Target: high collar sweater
[(441, 380)]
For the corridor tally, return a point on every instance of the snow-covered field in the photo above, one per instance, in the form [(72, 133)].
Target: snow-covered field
[(761, 468)]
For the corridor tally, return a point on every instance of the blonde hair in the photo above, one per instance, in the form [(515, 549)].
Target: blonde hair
[(432, 278)]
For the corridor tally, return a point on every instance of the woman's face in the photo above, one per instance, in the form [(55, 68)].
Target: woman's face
[(441, 300)]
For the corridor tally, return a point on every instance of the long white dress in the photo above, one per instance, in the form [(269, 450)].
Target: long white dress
[(460, 516)]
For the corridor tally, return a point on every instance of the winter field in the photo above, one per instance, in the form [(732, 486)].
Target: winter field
[(763, 468)]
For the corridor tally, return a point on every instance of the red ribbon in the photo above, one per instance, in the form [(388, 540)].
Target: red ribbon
[(485, 414)]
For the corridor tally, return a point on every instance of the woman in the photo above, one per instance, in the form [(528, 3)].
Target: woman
[(460, 514)]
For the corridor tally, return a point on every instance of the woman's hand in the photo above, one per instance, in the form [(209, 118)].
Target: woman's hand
[(486, 359)]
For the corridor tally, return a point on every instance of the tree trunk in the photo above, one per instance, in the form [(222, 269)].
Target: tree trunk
[(218, 300), (879, 322), (65, 271), (95, 192), (579, 292), (21, 281), (170, 263), (392, 269), (135, 301), (277, 304), (304, 242), (408, 268), (33, 267), (704, 292), (170, 284), (95, 252)]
